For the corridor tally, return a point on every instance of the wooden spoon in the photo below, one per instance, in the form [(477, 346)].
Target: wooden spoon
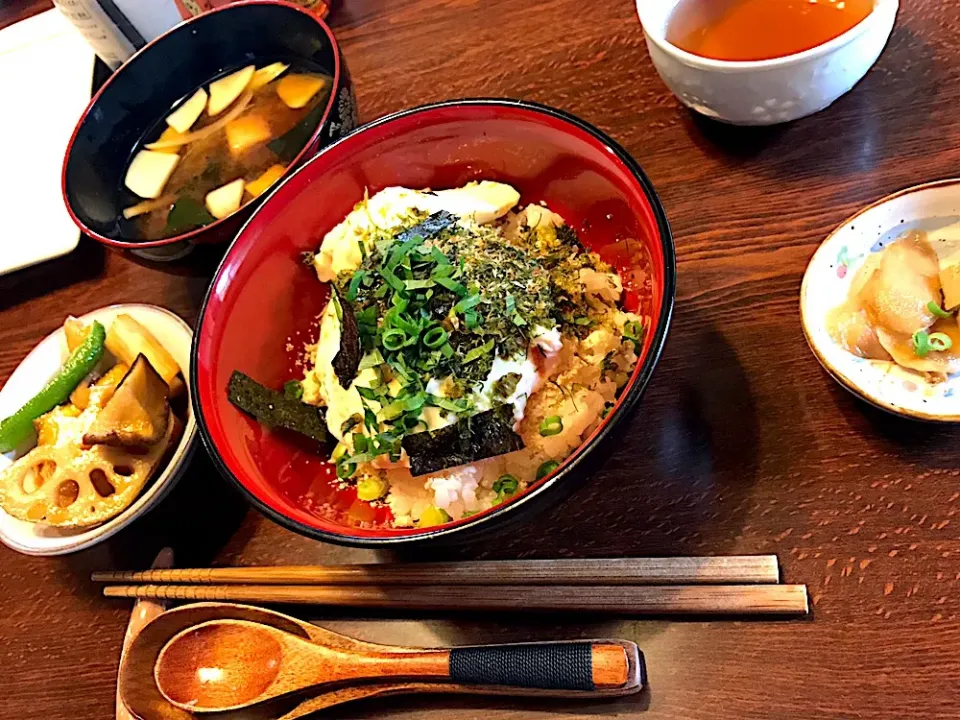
[(225, 665), (139, 691)]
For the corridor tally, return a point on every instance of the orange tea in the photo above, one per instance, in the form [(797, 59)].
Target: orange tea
[(760, 29)]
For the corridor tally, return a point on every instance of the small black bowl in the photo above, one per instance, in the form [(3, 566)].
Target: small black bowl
[(167, 69)]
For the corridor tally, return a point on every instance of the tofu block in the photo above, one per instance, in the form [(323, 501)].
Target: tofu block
[(149, 172)]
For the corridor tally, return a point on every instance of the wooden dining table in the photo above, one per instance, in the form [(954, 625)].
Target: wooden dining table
[(742, 444)]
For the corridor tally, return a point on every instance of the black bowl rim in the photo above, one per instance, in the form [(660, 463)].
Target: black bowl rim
[(181, 27), (627, 402)]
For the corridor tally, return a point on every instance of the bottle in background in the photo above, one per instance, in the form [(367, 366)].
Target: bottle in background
[(116, 29)]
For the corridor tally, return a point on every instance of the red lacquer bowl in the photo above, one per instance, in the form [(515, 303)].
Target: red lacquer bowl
[(263, 302)]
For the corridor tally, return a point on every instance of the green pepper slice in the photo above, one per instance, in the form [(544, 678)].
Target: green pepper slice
[(18, 427)]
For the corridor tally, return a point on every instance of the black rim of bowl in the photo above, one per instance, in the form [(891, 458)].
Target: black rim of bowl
[(538, 496)]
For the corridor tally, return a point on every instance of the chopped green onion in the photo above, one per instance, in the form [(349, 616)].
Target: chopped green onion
[(468, 303), (456, 406), (478, 352), (403, 250), (346, 468), (371, 488), (293, 389), (634, 330), (394, 339), (452, 285), (391, 411), (552, 425), (505, 486), (395, 283), (418, 284), (436, 254), (338, 452), (921, 343), (350, 423), (583, 321), (371, 360), (354, 286), (409, 422), (938, 311), (548, 467), (940, 342), (435, 337), (407, 324), (472, 319), (368, 393)]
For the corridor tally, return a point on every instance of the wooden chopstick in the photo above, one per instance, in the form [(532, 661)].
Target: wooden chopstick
[(648, 600), (617, 571)]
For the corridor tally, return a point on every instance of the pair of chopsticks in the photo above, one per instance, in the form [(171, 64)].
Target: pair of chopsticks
[(738, 585)]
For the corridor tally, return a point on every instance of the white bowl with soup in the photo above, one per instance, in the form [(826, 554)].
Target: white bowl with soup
[(763, 62)]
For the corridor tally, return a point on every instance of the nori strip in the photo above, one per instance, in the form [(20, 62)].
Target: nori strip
[(347, 360), (274, 409), (474, 438), (433, 225)]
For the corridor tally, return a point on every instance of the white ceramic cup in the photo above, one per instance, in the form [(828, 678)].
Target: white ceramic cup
[(766, 92)]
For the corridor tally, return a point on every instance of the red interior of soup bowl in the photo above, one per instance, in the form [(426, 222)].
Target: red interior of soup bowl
[(263, 303)]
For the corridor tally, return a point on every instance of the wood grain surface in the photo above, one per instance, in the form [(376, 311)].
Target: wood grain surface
[(742, 444)]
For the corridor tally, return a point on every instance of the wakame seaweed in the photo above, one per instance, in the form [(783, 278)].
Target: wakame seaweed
[(481, 436), (274, 408)]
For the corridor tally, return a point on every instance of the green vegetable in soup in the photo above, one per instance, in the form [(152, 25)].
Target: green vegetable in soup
[(187, 214)]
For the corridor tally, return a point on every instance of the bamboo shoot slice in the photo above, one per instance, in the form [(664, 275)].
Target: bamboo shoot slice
[(266, 75), (206, 131), (126, 338), (225, 200), (227, 89), (149, 172), (183, 118)]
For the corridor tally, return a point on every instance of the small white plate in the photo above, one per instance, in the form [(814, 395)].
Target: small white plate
[(47, 70), (933, 207), (35, 371)]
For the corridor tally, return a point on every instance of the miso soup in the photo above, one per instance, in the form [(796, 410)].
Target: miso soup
[(220, 147)]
